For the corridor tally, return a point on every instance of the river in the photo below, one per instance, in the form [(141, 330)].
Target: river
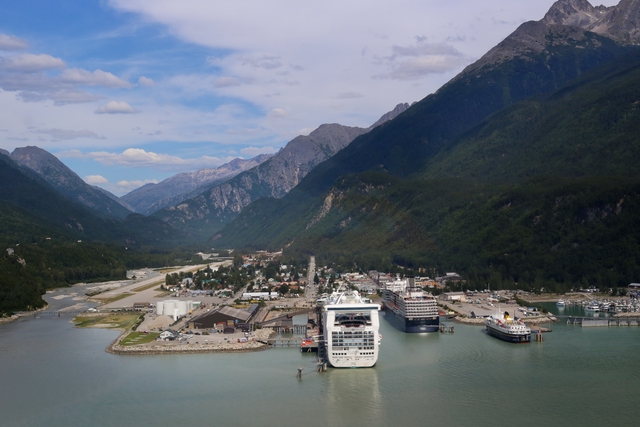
[(53, 374)]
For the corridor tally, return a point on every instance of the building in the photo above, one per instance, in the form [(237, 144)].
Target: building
[(141, 306), (220, 319), (259, 295), (454, 296)]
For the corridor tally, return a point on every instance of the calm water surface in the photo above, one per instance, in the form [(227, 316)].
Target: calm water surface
[(55, 375)]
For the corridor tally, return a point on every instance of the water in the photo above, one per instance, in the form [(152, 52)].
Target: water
[(55, 375)]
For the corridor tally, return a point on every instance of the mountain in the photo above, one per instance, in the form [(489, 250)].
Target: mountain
[(206, 213), (67, 182), (152, 197), (520, 169), (114, 198)]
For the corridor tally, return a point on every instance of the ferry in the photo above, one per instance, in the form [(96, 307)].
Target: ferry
[(351, 330), (409, 308), (503, 327)]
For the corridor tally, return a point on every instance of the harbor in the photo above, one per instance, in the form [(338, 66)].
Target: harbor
[(448, 379)]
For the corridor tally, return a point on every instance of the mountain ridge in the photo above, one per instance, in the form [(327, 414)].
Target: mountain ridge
[(152, 197), (207, 212), (68, 183)]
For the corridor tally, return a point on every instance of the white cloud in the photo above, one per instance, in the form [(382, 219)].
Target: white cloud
[(80, 77), (115, 107), (265, 61), (96, 180), (277, 113), (66, 133), (254, 151), (417, 68), (12, 43), (30, 63), (226, 82), (146, 82), (63, 97), (138, 157)]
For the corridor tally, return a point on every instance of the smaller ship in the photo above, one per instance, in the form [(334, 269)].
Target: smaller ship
[(560, 303), (503, 327)]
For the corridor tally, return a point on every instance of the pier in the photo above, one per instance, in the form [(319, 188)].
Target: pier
[(285, 342), (612, 321)]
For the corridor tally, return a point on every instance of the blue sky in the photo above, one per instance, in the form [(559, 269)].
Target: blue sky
[(126, 92)]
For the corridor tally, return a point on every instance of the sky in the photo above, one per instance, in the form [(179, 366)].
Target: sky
[(126, 92)]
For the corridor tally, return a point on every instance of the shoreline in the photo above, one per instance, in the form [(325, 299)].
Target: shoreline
[(15, 317), (156, 348)]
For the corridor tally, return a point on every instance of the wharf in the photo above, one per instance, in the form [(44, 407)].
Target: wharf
[(539, 329)]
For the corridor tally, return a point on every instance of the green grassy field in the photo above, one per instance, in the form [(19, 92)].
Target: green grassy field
[(115, 321), (135, 338)]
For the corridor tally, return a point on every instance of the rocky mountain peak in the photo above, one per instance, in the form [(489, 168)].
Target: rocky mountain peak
[(567, 23), (621, 22), (579, 13), (399, 109)]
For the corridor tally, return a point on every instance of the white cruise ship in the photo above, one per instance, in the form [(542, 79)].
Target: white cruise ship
[(351, 330)]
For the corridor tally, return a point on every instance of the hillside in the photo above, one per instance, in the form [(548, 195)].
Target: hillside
[(47, 240)]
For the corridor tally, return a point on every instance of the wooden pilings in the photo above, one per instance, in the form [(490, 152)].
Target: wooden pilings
[(446, 329)]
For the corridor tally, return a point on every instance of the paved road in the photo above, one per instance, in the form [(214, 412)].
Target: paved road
[(311, 287)]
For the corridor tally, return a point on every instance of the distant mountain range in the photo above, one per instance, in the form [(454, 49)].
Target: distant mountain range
[(518, 170), (208, 212), (152, 197)]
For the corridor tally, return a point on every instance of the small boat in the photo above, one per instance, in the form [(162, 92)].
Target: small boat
[(594, 307), (560, 303)]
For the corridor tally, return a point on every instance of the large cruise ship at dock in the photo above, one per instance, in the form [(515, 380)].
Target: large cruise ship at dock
[(351, 332), (409, 308)]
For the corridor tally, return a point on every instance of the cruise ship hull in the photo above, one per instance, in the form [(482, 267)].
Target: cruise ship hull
[(413, 325), (504, 336)]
